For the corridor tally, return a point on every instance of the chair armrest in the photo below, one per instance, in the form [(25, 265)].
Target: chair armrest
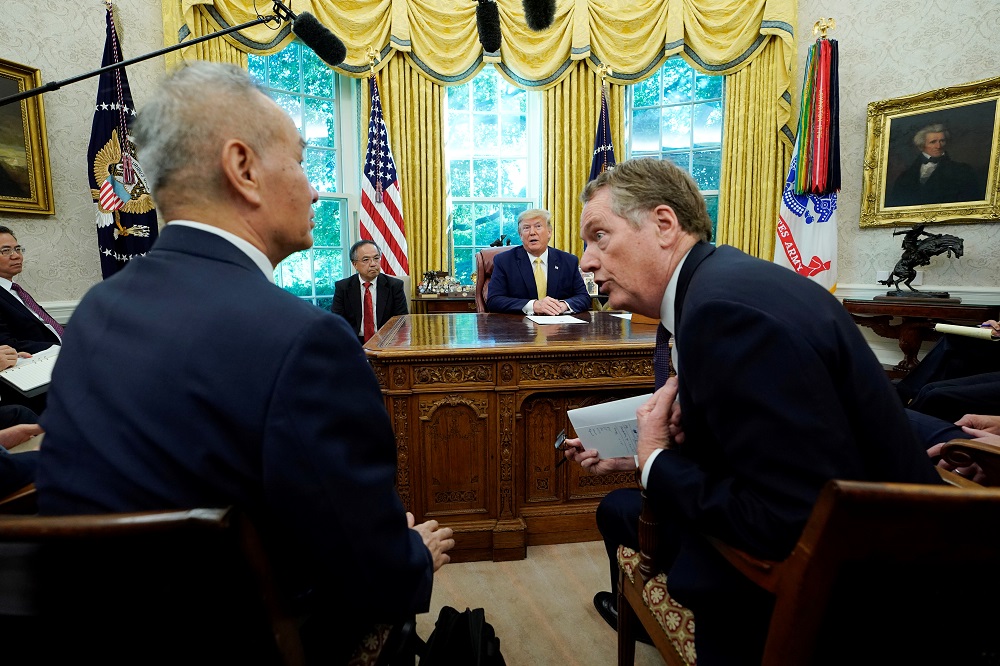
[(23, 501), (964, 452), (956, 480), (763, 573)]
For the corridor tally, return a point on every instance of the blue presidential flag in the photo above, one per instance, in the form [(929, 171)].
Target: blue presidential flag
[(604, 149), (126, 218)]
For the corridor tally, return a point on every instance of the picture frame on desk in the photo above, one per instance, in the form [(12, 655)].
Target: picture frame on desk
[(25, 176), (962, 185)]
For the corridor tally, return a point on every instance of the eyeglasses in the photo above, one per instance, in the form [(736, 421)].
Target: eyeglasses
[(369, 260), (6, 251)]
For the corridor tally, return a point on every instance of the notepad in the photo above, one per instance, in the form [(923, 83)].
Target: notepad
[(31, 376)]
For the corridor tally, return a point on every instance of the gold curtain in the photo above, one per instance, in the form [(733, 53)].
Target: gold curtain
[(757, 150), (413, 109), (571, 110), (750, 41)]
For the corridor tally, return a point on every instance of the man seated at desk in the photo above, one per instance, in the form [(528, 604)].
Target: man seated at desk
[(368, 299), (535, 278)]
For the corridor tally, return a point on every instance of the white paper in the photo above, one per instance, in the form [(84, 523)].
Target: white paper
[(555, 319), (31, 373), (609, 427), (623, 315)]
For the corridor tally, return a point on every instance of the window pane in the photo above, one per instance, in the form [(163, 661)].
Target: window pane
[(513, 100), (676, 127), (707, 87), (487, 223), (647, 92), (514, 134), (283, 68), (324, 302), (317, 77), (509, 227), (464, 265), (712, 203), (461, 223), (257, 67), (321, 169), (328, 217), (459, 142), (486, 134), (513, 178), (678, 81), (319, 123), (705, 167), (646, 130), (458, 98), (459, 178), (708, 124), (295, 274), (484, 178), (484, 91), (328, 269), (292, 105)]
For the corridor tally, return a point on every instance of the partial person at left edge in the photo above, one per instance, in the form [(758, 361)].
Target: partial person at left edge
[(385, 294), (24, 324)]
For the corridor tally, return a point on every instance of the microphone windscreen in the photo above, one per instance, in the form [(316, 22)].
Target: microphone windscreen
[(488, 23), (318, 37), (539, 14)]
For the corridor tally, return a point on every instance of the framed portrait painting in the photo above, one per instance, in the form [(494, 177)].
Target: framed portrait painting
[(25, 179), (933, 157)]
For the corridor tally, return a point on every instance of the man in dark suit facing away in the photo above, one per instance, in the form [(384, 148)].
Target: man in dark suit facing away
[(189, 379), (535, 278), (369, 287)]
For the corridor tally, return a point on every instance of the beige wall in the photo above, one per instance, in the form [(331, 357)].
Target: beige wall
[(887, 48), (892, 48), (65, 38)]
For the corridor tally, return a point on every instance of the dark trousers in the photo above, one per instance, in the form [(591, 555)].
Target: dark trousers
[(953, 357)]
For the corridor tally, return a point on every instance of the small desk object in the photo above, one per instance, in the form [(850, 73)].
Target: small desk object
[(476, 403), (916, 324), (438, 303)]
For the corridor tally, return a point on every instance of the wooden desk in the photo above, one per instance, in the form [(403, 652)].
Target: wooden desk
[(476, 402), (916, 323), (438, 304)]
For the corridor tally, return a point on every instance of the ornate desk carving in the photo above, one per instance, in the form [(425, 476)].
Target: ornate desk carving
[(916, 323), (476, 402)]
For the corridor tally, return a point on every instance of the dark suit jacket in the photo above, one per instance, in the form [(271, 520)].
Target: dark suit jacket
[(20, 328), (949, 182), (390, 300), (189, 380), (512, 284), (779, 392)]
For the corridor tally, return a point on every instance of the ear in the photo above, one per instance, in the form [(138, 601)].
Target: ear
[(240, 170), (667, 225)]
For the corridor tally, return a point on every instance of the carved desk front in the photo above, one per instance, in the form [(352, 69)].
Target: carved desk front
[(476, 402)]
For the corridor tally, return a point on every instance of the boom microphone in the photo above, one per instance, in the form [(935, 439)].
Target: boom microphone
[(488, 24), (313, 34), (539, 14)]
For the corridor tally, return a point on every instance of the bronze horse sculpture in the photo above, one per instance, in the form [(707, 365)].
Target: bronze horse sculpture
[(918, 251)]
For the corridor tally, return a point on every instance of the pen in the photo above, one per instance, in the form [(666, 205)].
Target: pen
[(986, 326)]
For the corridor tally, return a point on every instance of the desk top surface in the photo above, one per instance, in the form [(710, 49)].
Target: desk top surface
[(464, 334)]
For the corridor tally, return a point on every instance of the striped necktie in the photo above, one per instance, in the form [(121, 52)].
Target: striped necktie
[(33, 305), (369, 313), (661, 357)]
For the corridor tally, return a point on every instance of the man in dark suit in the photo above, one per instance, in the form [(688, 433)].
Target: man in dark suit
[(189, 379), (24, 325), (776, 392), (933, 177), (535, 278), (384, 293)]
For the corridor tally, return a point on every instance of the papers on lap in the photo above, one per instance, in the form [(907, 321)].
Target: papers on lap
[(609, 427), (31, 376)]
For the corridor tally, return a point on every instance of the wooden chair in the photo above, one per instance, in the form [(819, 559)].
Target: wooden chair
[(22, 501), (878, 568), (484, 271), (964, 452)]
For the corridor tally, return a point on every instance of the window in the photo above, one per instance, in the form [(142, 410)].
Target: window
[(323, 106), (677, 114), (492, 154)]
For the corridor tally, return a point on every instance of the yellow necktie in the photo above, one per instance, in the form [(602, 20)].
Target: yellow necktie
[(539, 278)]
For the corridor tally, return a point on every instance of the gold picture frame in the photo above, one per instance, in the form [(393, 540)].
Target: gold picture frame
[(25, 178), (964, 122)]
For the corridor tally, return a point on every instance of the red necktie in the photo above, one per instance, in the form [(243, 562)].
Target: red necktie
[(369, 318), (32, 305)]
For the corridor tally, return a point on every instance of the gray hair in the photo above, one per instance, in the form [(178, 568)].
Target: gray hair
[(641, 184), (353, 253), (193, 112), (920, 138), (535, 214)]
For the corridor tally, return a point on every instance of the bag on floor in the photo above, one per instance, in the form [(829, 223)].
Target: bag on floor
[(462, 639)]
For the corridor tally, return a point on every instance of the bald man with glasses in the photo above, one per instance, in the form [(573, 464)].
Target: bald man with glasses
[(24, 324)]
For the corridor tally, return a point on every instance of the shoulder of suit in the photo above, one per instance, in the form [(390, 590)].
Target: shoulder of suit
[(390, 279)]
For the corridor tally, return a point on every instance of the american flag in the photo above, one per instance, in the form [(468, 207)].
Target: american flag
[(381, 202), (125, 215), (604, 149)]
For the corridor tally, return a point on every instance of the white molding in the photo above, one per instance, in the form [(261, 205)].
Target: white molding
[(60, 310)]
